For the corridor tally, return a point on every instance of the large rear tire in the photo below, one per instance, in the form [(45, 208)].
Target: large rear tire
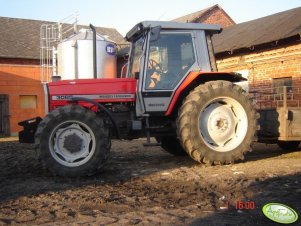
[(217, 123), (172, 145), (72, 141)]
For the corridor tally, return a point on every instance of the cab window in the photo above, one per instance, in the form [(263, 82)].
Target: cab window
[(170, 58), (134, 64)]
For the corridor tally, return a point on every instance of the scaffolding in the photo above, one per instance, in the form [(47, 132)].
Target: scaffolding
[(50, 35)]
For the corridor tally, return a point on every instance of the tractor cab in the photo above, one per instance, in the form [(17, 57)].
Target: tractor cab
[(162, 56)]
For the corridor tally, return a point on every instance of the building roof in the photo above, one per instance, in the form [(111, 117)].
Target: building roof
[(193, 17), (20, 38), (264, 30)]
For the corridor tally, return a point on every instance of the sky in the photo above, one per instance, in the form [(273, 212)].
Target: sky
[(123, 15)]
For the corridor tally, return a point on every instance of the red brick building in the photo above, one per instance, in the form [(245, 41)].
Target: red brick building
[(212, 15), (267, 50), (21, 92)]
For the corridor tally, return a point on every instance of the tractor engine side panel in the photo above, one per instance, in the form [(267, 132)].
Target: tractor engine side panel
[(99, 90)]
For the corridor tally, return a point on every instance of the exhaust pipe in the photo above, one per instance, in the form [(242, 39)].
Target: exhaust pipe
[(94, 51)]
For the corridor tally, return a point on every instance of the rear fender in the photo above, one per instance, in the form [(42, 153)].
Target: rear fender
[(196, 78)]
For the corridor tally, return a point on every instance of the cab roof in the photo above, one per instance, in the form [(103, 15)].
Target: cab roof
[(169, 25)]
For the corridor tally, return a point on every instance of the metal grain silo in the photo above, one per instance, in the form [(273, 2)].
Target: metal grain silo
[(75, 56)]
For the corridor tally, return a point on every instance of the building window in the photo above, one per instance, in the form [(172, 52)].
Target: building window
[(28, 101), (278, 84)]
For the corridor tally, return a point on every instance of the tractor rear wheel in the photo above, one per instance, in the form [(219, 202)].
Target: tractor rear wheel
[(72, 141), (217, 123), (172, 145)]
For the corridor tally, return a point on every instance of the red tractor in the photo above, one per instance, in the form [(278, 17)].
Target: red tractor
[(172, 92)]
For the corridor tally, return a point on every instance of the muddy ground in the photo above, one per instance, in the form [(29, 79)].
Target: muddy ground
[(147, 186)]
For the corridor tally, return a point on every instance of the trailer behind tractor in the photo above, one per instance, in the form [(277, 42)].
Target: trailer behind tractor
[(172, 92)]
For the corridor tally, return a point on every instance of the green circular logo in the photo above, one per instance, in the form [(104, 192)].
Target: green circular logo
[(280, 213)]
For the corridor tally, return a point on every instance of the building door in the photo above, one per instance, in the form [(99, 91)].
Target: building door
[(4, 115)]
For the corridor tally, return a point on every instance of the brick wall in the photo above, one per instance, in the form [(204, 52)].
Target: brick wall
[(216, 16), (263, 66), (21, 79)]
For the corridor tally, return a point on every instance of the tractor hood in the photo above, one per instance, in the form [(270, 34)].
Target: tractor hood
[(99, 90)]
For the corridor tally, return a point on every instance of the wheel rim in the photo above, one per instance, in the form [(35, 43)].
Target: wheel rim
[(223, 124), (72, 143)]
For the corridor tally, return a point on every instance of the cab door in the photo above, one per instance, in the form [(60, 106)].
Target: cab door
[(168, 61)]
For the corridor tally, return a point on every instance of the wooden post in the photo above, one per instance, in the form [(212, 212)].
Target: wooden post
[(285, 112), (284, 97)]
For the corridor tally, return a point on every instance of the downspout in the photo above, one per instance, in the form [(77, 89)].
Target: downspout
[(94, 51)]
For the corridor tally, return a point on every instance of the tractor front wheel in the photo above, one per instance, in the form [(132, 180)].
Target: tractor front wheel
[(72, 141), (217, 123)]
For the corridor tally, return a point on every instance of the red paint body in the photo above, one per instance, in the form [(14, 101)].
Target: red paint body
[(104, 90), (111, 90)]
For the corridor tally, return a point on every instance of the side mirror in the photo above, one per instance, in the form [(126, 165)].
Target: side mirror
[(155, 33)]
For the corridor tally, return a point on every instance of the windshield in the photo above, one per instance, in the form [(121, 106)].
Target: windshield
[(134, 63), (169, 59)]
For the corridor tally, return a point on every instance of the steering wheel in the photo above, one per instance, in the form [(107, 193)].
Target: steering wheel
[(154, 65), (154, 73)]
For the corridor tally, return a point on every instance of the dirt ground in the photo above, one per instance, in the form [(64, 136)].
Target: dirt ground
[(147, 186)]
